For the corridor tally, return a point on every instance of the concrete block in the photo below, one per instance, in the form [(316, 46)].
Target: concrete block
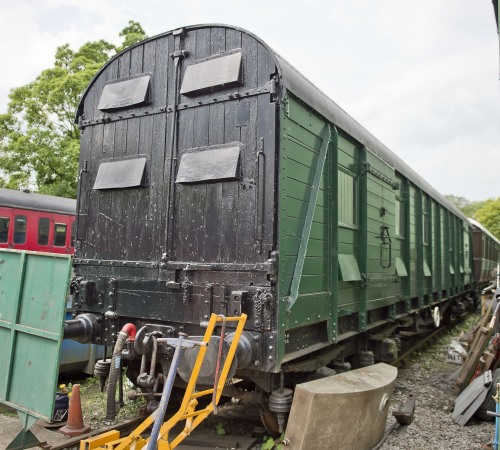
[(347, 411)]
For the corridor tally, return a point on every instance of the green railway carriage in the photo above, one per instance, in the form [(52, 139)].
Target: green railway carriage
[(486, 254), (376, 242), (215, 178)]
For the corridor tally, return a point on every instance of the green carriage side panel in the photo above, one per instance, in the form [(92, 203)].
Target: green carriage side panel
[(33, 294), (305, 143)]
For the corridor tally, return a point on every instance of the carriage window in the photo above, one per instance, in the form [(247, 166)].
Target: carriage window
[(20, 223), (43, 231), (4, 229), (399, 213), (60, 234), (425, 225), (348, 204)]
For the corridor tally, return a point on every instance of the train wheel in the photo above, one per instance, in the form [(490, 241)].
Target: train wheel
[(270, 421)]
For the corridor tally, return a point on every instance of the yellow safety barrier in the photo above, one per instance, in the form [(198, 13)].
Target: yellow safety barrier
[(187, 411)]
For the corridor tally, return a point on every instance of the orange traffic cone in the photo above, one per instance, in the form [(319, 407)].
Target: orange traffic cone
[(75, 425)]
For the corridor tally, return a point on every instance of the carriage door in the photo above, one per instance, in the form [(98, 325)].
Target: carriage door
[(220, 204), (381, 245)]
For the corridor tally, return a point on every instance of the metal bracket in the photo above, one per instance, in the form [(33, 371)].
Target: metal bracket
[(367, 168)]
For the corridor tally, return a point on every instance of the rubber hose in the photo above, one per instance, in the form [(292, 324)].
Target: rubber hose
[(114, 371)]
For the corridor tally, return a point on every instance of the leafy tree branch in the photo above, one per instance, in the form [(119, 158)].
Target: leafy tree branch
[(39, 141)]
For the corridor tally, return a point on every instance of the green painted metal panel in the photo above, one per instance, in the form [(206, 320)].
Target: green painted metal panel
[(33, 294), (427, 270), (400, 267), (349, 268), (308, 264)]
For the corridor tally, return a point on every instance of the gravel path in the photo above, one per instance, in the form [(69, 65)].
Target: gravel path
[(428, 377)]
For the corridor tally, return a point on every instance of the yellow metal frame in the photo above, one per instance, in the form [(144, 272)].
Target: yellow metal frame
[(187, 411)]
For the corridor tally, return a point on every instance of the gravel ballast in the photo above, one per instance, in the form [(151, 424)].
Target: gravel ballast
[(428, 378)]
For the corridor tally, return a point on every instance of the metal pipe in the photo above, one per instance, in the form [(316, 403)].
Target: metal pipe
[(82, 329), (167, 390), (153, 357)]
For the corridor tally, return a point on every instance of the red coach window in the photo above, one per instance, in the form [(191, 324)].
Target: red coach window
[(4, 229), (43, 231), (20, 223), (60, 234)]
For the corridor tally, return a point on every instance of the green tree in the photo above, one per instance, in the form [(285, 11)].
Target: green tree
[(468, 207), (489, 216), (39, 142)]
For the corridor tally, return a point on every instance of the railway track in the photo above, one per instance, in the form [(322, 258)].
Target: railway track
[(424, 341)]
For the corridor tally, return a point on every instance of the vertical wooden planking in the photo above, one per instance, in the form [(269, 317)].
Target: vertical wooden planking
[(217, 40), (135, 199), (105, 206), (92, 148), (245, 233), (266, 142), (266, 131), (229, 207), (157, 207), (124, 65), (195, 195), (214, 234), (167, 48), (149, 146), (233, 39), (185, 135), (247, 192), (249, 45), (144, 238), (136, 60), (84, 191), (94, 197)]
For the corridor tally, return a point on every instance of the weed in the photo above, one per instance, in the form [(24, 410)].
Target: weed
[(219, 429), (273, 444)]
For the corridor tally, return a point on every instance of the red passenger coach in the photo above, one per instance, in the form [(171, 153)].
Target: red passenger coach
[(37, 222)]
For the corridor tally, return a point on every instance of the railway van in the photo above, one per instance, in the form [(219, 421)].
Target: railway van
[(216, 178)]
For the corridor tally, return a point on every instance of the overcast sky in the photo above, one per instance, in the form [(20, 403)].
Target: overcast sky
[(421, 76)]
